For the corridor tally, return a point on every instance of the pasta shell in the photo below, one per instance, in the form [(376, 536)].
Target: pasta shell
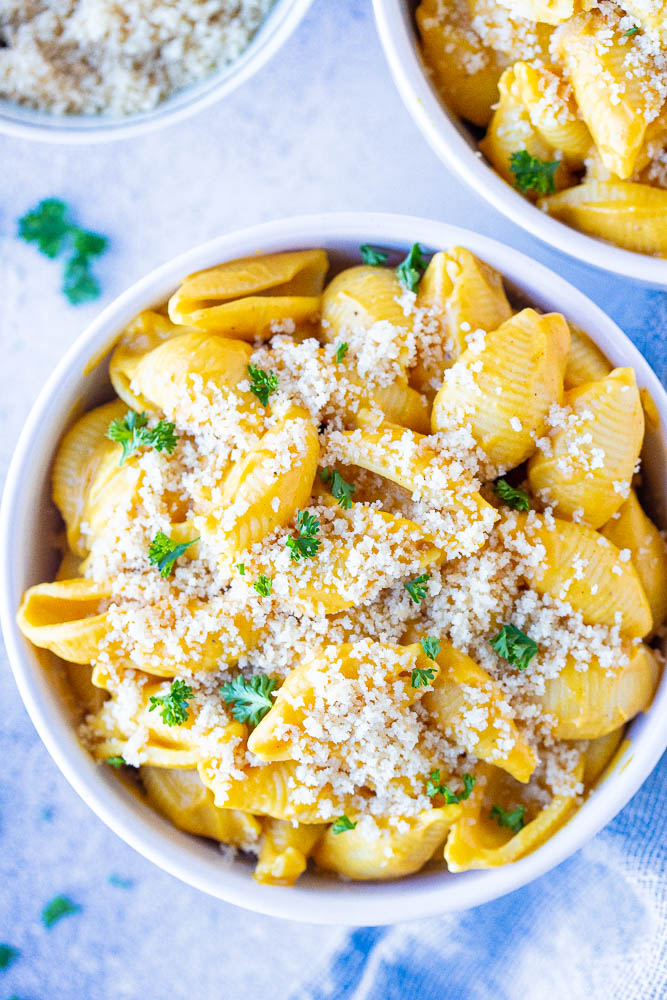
[(599, 753), (401, 404), (146, 332), (585, 361), (67, 617), (284, 851)]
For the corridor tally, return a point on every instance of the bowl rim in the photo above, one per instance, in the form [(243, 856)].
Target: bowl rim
[(42, 126), (446, 134), (318, 900)]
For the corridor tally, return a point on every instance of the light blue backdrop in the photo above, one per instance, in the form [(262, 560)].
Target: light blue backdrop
[(320, 128)]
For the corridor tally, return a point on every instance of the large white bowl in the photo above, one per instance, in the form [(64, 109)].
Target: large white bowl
[(27, 519), (456, 145), (43, 126)]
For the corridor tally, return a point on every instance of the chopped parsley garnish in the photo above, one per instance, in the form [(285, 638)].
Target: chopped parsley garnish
[(373, 256), (305, 545), (433, 787), (533, 174), (431, 646), (515, 646), (422, 676), (262, 383), (513, 496), (342, 824), (59, 907), (131, 432), (341, 350), (174, 706), (250, 698), (241, 568), (341, 490), (416, 588), (163, 552), (120, 882), (632, 31), (51, 229), (410, 270), (263, 585), (513, 820), (116, 762), (8, 955)]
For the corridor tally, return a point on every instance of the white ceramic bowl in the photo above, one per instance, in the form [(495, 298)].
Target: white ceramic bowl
[(43, 126), (27, 518), (456, 145)]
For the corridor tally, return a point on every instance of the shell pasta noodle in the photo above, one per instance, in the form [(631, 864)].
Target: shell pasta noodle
[(572, 100), (355, 572)]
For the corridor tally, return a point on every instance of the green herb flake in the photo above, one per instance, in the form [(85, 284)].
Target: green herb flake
[(174, 705), (263, 585), (513, 496), (241, 568), (433, 787), (59, 907), (262, 383), (341, 490), (342, 825), (115, 761), (513, 820), (416, 588), (422, 676), (163, 552), (631, 32), (306, 544), (8, 955), (373, 256), (79, 283), (341, 350), (47, 226), (533, 174), (250, 698), (410, 270), (132, 432), (515, 646), (431, 646)]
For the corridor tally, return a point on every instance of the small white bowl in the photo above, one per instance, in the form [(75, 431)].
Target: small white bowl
[(28, 517), (456, 145), (43, 126)]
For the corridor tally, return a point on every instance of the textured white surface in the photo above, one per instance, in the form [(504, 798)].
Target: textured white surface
[(319, 128)]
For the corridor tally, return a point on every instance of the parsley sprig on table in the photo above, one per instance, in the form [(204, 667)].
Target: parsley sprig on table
[(410, 270), (163, 552), (433, 787), (341, 490), (416, 588), (50, 227), (342, 824), (533, 174), (132, 432), (8, 955), (513, 820), (513, 496), (262, 383), (173, 705), (306, 544), (250, 697), (515, 646), (59, 907), (373, 256)]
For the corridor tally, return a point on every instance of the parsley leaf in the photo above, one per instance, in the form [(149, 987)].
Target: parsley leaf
[(132, 433), (341, 490), (422, 676), (431, 646), (263, 585), (373, 256), (410, 270), (342, 824), (433, 787), (514, 497), (116, 762), (163, 552), (416, 588), (513, 820), (250, 697), (341, 351), (515, 646), (174, 705), (262, 383), (89, 244), (533, 174), (305, 545), (60, 906), (241, 568), (8, 955), (47, 226), (632, 31), (79, 283)]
